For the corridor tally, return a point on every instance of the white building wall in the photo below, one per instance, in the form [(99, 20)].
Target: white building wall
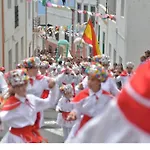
[(138, 29), (12, 35), (0, 36), (29, 18)]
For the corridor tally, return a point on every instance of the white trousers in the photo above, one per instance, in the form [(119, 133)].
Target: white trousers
[(66, 132)]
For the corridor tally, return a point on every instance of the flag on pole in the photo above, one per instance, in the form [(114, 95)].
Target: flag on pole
[(89, 37)]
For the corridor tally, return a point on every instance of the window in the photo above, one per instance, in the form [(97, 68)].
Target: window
[(9, 4), (103, 46), (120, 60), (78, 14), (122, 7), (29, 50), (110, 50), (85, 13), (29, 10), (16, 47), (10, 59), (99, 33), (16, 14), (22, 47), (114, 56), (93, 16)]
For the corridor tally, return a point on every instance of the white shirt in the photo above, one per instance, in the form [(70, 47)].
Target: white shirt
[(64, 105), (25, 115), (38, 86), (3, 84), (64, 78), (93, 104), (110, 86), (123, 79), (111, 127)]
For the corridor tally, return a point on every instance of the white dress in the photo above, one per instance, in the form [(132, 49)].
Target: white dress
[(24, 115), (66, 106), (111, 127)]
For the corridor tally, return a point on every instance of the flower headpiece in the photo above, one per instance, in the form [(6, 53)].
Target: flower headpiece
[(31, 62), (17, 77), (44, 64), (66, 89), (98, 71)]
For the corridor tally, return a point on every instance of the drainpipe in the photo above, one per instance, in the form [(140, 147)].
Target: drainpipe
[(26, 26), (3, 34)]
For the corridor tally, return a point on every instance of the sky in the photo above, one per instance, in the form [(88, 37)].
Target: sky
[(41, 8)]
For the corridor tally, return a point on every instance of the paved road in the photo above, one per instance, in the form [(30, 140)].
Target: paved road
[(51, 131)]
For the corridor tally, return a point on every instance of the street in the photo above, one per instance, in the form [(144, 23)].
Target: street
[(50, 131)]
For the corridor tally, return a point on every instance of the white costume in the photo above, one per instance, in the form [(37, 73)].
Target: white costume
[(24, 115), (125, 120), (89, 107), (110, 86), (3, 84), (65, 106)]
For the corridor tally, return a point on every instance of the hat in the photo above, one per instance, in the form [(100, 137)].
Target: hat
[(17, 77), (98, 71), (31, 62), (66, 88), (134, 100), (44, 64), (105, 60), (130, 64)]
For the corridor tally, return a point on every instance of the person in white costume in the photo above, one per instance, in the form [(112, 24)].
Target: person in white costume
[(125, 120), (44, 66), (38, 83), (78, 77), (3, 84), (90, 102), (64, 107), (126, 74), (19, 111), (109, 85)]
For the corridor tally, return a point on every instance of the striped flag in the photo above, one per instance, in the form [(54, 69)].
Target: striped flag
[(89, 37)]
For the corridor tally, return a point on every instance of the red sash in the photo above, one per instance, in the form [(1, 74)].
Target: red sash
[(11, 104), (29, 134), (65, 115), (45, 94), (84, 120)]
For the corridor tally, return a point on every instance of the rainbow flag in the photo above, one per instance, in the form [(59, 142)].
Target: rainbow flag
[(89, 37)]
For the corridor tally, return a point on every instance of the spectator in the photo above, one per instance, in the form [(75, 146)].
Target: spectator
[(143, 59)]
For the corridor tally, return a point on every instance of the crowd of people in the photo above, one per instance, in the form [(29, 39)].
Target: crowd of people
[(95, 103)]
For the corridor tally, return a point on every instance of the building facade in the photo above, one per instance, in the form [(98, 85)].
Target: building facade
[(64, 17), (15, 32), (128, 37)]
